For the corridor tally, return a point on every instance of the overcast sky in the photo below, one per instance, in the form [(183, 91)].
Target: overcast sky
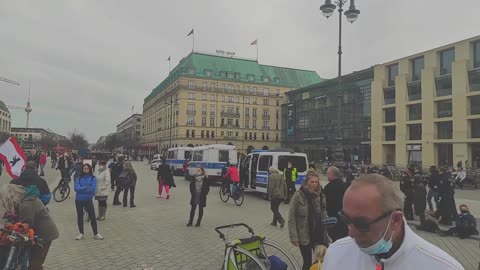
[(90, 61)]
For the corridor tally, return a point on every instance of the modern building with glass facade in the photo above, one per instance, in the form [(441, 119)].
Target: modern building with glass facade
[(331, 122), (209, 99), (426, 107)]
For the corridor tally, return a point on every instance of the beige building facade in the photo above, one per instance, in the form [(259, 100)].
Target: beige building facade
[(426, 107), (5, 118), (210, 99)]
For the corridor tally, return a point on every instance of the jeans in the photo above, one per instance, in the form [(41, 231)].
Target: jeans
[(42, 167), (192, 214), (277, 217), (306, 255), (132, 195), (88, 206), (432, 193), (38, 255)]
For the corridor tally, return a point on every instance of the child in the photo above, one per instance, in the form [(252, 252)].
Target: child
[(319, 253)]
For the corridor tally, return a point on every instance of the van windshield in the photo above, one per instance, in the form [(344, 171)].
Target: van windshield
[(299, 162)]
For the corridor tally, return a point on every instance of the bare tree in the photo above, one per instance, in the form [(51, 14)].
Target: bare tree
[(78, 140)]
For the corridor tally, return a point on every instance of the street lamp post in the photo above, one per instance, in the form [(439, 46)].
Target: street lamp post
[(351, 14)]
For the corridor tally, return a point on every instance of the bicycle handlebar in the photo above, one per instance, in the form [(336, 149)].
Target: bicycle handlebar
[(222, 236), (22, 237)]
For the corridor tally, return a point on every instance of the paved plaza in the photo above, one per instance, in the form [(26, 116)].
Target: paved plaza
[(154, 234)]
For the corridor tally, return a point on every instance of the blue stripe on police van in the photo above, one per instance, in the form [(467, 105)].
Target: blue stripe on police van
[(174, 161), (207, 165)]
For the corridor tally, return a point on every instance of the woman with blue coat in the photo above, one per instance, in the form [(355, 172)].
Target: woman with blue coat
[(85, 187)]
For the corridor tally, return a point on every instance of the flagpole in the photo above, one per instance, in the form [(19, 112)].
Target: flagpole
[(193, 46), (257, 49), (168, 65)]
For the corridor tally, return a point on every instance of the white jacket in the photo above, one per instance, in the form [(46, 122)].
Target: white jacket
[(103, 182), (414, 253)]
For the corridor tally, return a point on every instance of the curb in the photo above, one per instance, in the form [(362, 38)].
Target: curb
[(442, 227)]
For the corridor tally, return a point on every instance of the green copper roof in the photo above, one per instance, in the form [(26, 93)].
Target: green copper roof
[(3, 107), (236, 70)]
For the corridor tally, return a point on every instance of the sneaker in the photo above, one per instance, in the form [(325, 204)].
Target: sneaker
[(273, 224), (282, 224), (98, 237), (168, 196), (79, 237), (189, 224), (159, 196)]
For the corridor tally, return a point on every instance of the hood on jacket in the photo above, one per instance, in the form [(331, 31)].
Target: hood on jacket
[(28, 175), (273, 170)]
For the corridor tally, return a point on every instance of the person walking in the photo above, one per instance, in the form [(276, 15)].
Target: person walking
[(85, 187), (307, 209), (199, 188), (22, 205), (129, 184), (165, 179), (406, 186), (53, 158), (290, 175), (103, 184), (43, 162), (334, 191), (277, 192), (433, 184)]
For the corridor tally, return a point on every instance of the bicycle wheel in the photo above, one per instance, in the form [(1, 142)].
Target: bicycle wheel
[(61, 193), (224, 195), (272, 248), (238, 198), (242, 259)]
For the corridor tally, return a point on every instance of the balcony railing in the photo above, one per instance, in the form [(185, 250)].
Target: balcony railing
[(212, 113), (266, 128), (204, 112), (266, 117), (230, 114), (191, 112)]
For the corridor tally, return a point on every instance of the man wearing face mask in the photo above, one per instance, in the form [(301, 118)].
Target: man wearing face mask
[(379, 235)]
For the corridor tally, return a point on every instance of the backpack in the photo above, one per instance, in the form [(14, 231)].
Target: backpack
[(124, 179)]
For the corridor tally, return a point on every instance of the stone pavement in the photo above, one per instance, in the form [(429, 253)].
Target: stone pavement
[(154, 234)]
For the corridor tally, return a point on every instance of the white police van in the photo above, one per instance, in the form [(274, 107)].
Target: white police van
[(176, 157), (213, 159), (254, 167)]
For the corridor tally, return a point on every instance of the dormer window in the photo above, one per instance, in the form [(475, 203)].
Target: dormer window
[(266, 79), (191, 71), (237, 76), (230, 75), (251, 77), (208, 73)]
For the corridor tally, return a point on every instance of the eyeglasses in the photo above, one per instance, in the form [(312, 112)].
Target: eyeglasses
[(362, 224)]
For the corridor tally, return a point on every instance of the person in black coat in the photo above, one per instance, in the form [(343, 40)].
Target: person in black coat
[(65, 164), (30, 177), (406, 186), (446, 205), (433, 185), (199, 188), (165, 179), (334, 191), (419, 195)]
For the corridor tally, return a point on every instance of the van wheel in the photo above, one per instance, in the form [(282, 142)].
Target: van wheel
[(265, 197)]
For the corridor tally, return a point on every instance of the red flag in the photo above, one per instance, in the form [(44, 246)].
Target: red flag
[(13, 157)]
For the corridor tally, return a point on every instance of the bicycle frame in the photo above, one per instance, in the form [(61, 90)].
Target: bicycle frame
[(19, 253)]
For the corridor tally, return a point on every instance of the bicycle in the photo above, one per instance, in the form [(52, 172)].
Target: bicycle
[(18, 254), (237, 195), (254, 252), (62, 190)]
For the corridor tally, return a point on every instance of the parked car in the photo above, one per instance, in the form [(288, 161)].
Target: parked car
[(155, 163)]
